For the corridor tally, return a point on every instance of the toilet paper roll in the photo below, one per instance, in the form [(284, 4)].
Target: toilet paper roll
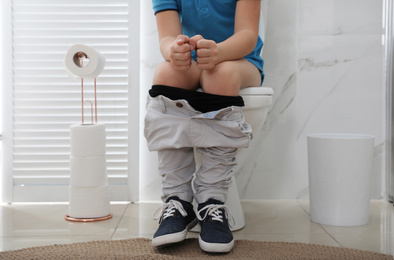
[(89, 202), (91, 70), (87, 140), (89, 171)]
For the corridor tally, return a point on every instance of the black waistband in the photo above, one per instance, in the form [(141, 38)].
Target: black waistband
[(200, 101)]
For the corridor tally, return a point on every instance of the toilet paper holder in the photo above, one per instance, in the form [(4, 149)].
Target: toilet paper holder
[(80, 56)]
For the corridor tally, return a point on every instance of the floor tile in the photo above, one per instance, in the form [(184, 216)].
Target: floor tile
[(277, 217), (372, 242), (138, 220), (373, 236), (280, 220), (49, 220)]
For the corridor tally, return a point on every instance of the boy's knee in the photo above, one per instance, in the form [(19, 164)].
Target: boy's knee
[(163, 73), (166, 75), (224, 79)]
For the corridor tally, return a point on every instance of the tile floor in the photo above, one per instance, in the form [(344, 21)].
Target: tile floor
[(30, 225)]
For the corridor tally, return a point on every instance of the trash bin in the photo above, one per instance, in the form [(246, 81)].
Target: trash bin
[(340, 167)]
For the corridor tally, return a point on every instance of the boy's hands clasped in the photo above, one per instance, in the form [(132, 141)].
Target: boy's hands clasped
[(180, 52)]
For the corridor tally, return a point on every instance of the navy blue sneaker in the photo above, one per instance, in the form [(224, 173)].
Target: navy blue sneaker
[(215, 235), (177, 217)]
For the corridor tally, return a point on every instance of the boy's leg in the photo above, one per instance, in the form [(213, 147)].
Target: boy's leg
[(166, 75), (211, 185), (176, 164), (228, 77), (176, 168), (213, 178), (177, 217)]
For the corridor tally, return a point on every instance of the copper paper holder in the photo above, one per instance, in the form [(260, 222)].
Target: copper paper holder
[(80, 56), (87, 219)]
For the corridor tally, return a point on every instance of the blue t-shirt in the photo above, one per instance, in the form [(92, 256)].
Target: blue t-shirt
[(213, 19)]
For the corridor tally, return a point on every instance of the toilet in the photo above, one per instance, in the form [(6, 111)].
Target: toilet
[(257, 104)]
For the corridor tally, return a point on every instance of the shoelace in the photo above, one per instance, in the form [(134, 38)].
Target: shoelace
[(168, 210), (216, 214)]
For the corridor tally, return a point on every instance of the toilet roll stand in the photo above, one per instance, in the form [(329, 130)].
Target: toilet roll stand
[(80, 56)]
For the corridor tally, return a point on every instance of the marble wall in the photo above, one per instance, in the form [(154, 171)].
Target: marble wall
[(325, 61)]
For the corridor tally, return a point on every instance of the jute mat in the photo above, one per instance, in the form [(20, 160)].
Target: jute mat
[(141, 248)]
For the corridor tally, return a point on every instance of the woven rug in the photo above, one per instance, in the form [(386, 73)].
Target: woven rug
[(141, 248)]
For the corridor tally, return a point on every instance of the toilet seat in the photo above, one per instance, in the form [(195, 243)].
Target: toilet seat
[(256, 91), (253, 91), (256, 97)]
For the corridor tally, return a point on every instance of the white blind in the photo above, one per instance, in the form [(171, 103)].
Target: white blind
[(46, 101)]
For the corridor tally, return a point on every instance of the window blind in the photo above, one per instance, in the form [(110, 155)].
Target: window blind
[(46, 101)]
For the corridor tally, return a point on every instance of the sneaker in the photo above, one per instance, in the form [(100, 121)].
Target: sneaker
[(215, 235), (176, 218)]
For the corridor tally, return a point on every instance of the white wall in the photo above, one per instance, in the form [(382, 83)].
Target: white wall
[(150, 57), (325, 61), (6, 101)]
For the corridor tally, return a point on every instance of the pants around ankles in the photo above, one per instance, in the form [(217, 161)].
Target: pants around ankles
[(174, 128)]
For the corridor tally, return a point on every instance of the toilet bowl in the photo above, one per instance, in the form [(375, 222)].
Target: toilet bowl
[(257, 104)]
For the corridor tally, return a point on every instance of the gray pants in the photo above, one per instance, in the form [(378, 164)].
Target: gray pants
[(174, 128)]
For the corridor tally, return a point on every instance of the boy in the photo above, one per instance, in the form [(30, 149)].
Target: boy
[(212, 45)]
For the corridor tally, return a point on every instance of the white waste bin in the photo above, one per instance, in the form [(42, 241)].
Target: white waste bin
[(340, 167)]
